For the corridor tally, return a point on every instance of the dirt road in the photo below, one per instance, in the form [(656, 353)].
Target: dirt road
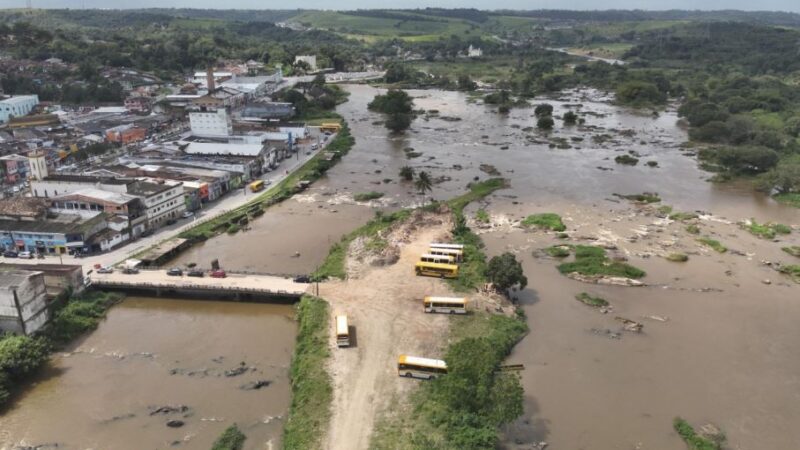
[(384, 305)]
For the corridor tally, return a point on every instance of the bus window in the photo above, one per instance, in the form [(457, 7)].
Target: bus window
[(441, 259), (436, 270), (342, 332), (416, 367), (447, 305)]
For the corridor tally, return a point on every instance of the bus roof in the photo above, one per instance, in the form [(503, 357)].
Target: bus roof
[(341, 325), (447, 251), (257, 182), (431, 255), (443, 245), (437, 265), (434, 363), (446, 299)]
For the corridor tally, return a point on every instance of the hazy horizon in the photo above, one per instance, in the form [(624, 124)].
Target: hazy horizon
[(583, 5)]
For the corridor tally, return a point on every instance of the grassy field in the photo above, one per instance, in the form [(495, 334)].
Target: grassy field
[(412, 27), (485, 69), (612, 50)]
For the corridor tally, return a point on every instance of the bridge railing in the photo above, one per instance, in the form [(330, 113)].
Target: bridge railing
[(205, 287), (233, 272)]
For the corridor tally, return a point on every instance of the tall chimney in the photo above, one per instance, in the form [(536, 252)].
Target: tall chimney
[(210, 79)]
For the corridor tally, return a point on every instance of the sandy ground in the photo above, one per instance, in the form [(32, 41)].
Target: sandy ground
[(384, 307)]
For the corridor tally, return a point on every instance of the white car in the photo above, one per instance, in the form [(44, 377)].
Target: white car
[(26, 255), (187, 214)]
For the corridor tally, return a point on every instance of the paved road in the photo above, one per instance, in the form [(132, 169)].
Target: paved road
[(231, 201)]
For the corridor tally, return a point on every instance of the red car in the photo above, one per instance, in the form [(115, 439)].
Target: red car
[(218, 274)]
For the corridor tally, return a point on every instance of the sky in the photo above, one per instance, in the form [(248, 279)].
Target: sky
[(748, 5)]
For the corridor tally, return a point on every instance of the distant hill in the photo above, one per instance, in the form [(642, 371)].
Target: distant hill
[(763, 17)]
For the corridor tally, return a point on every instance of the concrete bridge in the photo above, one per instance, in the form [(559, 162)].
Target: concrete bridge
[(235, 285)]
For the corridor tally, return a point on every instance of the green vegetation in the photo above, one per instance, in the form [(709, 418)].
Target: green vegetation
[(472, 272), (312, 391), (626, 160), (545, 123), (570, 118), (233, 228), (80, 314), (644, 197), (20, 356), (312, 170), (692, 439), (482, 216), (367, 196), (766, 230), (692, 229), (464, 408), (793, 250), (789, 198), (586, 299), (793, 270), (678, 257), (423, 184), (407, 173), (664, 210), (712, 243), (230, 439), (505, 272), (558, 251), (683, 216), (398, 107), (592, 261), (547, 221)]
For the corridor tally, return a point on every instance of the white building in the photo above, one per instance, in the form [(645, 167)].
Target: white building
[(23, 301), (17, 106), (474, 52), (163, 202), (311, 60), (211, 123)]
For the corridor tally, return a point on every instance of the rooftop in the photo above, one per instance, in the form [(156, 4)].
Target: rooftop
[(12, 277), (214, 148), (61, 223), (99, 194), (147, 188), (19, 99), (88, 179)]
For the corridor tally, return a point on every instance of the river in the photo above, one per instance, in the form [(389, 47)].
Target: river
[(151, 353), (727, 354)]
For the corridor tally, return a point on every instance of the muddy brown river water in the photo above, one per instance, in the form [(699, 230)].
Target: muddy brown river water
[(728, 353), (154, 353)]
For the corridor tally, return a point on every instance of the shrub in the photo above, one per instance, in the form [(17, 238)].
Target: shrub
[(793, 250), (233, 228), (505, 272), (639, 93), (570, 118), (692, 229), (545, 123), (589, 300), (678, 257), (558, 251), (544, 109), (592, 261), (714, 244), (367, 196), (767, 230), (793, 270), (692, 439), (547, 221), (683, 216), (230, 439), (21, 355), (482, 216), (644, 197), (627, 160)]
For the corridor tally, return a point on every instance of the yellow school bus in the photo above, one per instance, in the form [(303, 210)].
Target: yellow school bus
[(333, 127), (416, 367), (458, 255), (447, 305), (441, 259), (342, 332), (436, 270), (256, 186)]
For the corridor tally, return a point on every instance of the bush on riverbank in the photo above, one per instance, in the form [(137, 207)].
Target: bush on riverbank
[(367, 196), (590, 300), (20, 356), (713, 243), (311, 171), (230, 439), (80, 314), (766, 230), (464, 408), (312, 391), (793, 250)]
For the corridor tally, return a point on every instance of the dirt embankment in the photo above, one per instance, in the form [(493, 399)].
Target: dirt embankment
[(383, 302)]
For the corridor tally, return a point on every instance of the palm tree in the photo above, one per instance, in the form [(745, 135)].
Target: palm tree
[(423, 184)]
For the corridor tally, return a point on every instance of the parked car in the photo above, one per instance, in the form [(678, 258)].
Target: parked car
[(302, 279), (218, 274), (175, 272), (130, 271), (26, 255), (105, 269), (196, 273), (10, 254), (146, 233), (187, 214), (171, 222), (314, 146)]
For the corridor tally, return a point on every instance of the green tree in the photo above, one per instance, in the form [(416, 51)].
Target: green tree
[(505, 272), (639, 93), (570, 118), (21, 355), (423, 184), (746, 159), (784, 178), (545, 123), (465, 83), (407, 173), (543, 109), (398, 122)]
